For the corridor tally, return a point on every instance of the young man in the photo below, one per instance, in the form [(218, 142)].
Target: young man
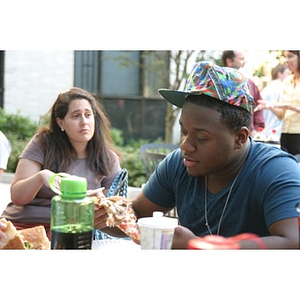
[(221, 181)]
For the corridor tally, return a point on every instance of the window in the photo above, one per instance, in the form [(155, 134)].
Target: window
[(120, 73), (127, 83), (1, 79), (86, 70)]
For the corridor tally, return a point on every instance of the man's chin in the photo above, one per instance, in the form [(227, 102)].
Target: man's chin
[(194, 174)]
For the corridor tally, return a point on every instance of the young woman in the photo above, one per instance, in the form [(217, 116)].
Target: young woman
[(288, 108), (77, 142)]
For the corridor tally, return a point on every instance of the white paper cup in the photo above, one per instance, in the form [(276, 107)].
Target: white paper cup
[(157, 232)]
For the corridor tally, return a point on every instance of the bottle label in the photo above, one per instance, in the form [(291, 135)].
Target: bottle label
[(65, 240)]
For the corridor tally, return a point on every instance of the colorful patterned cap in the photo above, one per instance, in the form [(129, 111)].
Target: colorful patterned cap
[(225, 84)]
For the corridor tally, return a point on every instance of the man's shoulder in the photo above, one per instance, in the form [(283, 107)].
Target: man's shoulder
[(262, 153)]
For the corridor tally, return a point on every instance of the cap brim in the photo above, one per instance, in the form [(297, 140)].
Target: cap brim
[(177, 98)]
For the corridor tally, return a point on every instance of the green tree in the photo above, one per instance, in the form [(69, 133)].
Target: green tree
[(169, 73), (180, 64)]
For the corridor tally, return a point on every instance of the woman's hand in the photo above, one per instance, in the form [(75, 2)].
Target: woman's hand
[(261, 105), (46, 175)]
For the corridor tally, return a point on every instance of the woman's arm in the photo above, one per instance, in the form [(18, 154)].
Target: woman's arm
[(279, 112), (29, 178), (275, 109), (293, 108)]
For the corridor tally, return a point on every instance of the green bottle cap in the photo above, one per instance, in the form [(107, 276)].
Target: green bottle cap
[(73, 187)]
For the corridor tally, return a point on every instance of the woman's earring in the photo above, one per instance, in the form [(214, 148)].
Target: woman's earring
[(62, 129)]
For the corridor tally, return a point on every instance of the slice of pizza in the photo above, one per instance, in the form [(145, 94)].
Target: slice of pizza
[(120, 214)]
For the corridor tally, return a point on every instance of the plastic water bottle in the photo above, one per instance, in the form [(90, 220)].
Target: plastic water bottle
[(72, 214), (260, 135), (273, 137)]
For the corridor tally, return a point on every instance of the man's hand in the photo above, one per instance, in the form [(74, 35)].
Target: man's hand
[(182, 235)]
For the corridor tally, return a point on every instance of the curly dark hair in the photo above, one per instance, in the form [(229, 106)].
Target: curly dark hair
[(233, 117), (59, 152), (227, 54)]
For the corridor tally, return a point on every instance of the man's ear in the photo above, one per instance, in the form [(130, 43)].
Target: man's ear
[(228, 62), (241, 137)]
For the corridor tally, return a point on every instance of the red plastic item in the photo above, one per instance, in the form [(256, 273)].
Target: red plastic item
[(214, 242), (260, 129)]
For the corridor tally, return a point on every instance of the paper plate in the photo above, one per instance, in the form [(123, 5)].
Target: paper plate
[(118, 245)]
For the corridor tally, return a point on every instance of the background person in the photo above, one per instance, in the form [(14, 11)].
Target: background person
[(5, 150), (288, 108), (271, 94), (77, 142), (236, 59)]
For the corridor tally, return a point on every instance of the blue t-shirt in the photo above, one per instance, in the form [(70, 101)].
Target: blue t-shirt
[(266, 191)]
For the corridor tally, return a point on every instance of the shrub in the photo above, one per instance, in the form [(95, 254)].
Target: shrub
[(116, 136), (19, 130), (133, 161), (21, 127)]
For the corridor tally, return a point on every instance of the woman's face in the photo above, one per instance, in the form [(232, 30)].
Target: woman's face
[(79, 122), (207, 146), (291, 61)]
